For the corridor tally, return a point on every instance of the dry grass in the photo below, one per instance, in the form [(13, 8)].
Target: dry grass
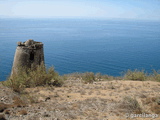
[(86, 96), (41, 76), (130, 105), (17, 102), (154, 103), (97, 100)]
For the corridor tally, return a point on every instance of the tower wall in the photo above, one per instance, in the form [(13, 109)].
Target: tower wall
[(29, 53)]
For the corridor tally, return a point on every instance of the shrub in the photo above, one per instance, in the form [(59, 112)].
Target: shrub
[(88, 77), (54, 78), (101, 77), (32, 77), (135, 75), (131, 105), (154, 103), (156, 75), (57, 81), (98, 76)]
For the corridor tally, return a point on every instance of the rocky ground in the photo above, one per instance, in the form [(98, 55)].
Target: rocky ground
[(103, 100)]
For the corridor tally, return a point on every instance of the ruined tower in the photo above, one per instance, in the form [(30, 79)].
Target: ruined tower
[(29, 53)]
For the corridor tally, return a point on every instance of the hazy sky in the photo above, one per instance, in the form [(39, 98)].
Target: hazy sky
[(133, 9)]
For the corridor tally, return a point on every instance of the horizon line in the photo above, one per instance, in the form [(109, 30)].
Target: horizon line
[(73, 17)]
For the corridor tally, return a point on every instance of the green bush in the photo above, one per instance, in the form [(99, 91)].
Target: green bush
[(135, 75), (88, 77), (33, 77), (156, 75)]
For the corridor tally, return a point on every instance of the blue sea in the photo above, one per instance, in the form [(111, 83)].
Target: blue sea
[(80, 45)]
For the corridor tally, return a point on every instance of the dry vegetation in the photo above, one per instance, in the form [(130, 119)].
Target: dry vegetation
[(33, 77), (44, 95)]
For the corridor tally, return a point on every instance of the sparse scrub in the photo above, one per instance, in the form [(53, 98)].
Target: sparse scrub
[(88, 77), (154, 103), (18, 102), (29, 98), (156, 75), (82, 92), (138, 75), (111, 86), (101, 77), (75, 75), (103, 99), (131, 105), (98, 76), (57, 81), (33, 77)]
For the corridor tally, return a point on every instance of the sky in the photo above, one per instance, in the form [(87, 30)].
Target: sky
[(105, 9)]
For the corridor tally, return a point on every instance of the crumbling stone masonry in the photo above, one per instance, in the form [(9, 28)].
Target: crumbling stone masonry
[(29, 53)]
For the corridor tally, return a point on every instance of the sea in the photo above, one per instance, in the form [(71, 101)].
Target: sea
[(106, 46)]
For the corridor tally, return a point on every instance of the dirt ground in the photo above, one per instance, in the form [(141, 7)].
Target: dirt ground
[(103, 100)]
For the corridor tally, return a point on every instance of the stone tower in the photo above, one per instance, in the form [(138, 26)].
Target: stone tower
[(29, 53)]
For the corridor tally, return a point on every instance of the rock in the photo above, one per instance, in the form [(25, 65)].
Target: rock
[(2, 99), (29, 42), (19, 43)]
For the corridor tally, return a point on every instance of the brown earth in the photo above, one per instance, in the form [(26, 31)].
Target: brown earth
[(103, 100)]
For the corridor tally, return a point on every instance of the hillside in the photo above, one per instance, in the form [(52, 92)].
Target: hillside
[(75, 100)]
